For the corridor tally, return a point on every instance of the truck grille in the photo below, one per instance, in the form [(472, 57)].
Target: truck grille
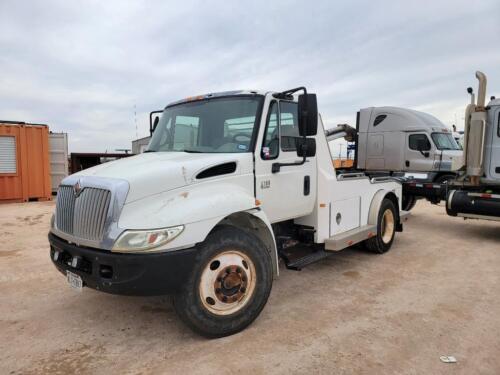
[(82, 216)]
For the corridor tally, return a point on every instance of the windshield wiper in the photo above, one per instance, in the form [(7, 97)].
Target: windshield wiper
[(149, 151), (193, 151)]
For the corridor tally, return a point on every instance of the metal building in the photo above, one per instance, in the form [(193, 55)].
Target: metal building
[(140, 145), (58, 150)]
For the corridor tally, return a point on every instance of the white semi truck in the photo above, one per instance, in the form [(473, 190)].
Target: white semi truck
[(468, 180), (475, 192), (397, 141), (230, 184), (393, 139), (405, 140)]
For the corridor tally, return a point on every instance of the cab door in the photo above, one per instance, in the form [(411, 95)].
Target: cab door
[(289, 193), (418, 159), (495, 147)]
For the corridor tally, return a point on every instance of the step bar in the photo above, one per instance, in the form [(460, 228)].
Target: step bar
[(354, 236)]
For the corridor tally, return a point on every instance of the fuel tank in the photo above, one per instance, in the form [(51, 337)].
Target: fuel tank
[(465, 203)]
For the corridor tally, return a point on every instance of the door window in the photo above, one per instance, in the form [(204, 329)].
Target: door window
[(289, 125), (270, 146), (498, 130), (415, 139)]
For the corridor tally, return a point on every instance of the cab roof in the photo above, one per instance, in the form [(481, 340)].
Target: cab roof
[(218, 94)]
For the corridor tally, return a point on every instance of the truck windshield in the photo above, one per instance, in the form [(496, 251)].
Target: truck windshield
[(445, 141), (218, 125)]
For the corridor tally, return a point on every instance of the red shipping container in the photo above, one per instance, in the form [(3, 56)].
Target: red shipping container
[(24, 162)]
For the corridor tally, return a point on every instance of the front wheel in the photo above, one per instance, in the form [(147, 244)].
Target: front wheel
[(230, 285), (445, 178), (386, 228)]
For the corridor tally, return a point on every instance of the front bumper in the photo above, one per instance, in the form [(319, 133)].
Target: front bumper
[(127, 274)]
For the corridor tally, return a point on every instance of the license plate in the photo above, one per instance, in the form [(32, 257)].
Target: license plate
[(74, 280)]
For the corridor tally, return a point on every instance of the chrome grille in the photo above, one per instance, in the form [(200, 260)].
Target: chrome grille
[(83, 216)]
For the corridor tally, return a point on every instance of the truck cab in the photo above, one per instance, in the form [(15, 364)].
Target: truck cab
[(404, 140), (492, 144), (231, 184)]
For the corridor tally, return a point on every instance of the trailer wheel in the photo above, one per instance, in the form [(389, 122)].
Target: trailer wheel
[(230, 285), (386, 229)]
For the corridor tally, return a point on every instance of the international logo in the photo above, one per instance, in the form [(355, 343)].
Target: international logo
[(77, 189)]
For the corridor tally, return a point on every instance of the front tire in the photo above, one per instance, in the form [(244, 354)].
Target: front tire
[(229, 286), (445, 178), (386, 229)]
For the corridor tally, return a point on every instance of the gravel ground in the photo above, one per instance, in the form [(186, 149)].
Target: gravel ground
[(435, 293)]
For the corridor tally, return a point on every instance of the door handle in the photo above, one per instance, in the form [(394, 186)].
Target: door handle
[(307, 185), (407, 163)]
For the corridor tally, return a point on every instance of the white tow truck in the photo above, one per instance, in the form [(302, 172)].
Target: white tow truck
[(230, 184)]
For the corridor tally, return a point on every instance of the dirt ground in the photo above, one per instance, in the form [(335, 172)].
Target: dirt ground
[(437, 292)]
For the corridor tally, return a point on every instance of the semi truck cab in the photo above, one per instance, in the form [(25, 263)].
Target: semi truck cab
[(231, 184), (404, 140)]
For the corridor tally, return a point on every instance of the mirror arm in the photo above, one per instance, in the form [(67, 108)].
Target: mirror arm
[(276, 167), (424, 153)]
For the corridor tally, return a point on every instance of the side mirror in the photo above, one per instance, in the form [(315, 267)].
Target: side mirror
[(423, 147), (307, 148), (153, 123), (308, 115)]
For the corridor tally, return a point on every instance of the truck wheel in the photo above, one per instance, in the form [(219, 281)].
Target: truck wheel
[(229, 287), (445, 178), (409, 201), (386, 228)]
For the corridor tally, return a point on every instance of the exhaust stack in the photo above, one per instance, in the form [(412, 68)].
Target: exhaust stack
[(475, 131), (481, 92)]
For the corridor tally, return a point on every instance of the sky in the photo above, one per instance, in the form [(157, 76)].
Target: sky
[(95, 69)]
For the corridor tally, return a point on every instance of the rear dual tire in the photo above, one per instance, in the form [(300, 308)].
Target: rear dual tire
[(230, 285)]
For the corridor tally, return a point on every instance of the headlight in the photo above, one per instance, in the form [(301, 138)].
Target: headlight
[(140, 240)]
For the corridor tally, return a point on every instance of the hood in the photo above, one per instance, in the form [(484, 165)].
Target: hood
[(156, 172), (449, 160)]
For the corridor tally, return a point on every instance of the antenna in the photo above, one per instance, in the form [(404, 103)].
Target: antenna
[(135, 122)]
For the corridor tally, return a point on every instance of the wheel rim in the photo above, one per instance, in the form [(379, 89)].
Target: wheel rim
[(227, 282), (387, 226)]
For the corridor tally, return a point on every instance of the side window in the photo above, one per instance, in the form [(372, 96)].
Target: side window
[(379, 119), (270, 145), (415, 139), (289, 125)]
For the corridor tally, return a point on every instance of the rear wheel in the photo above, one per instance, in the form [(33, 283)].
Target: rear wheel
[(230, 285), (386, 228)]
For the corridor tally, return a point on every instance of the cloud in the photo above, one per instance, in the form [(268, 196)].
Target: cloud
[(83, 67)]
